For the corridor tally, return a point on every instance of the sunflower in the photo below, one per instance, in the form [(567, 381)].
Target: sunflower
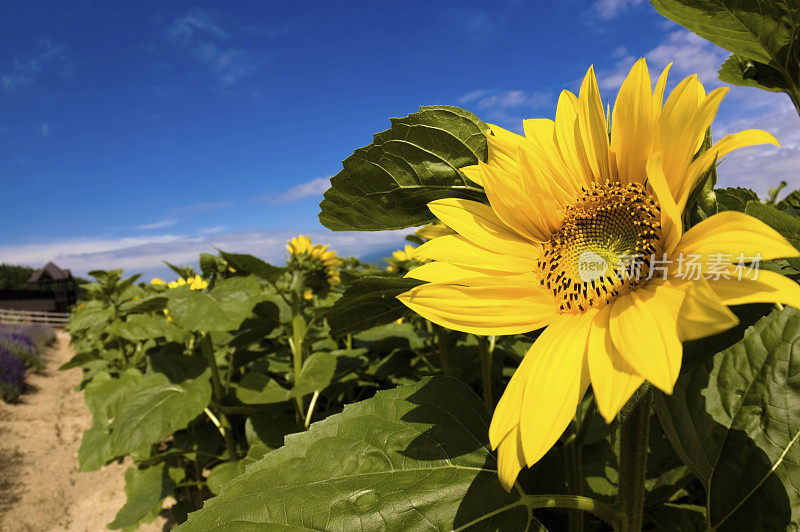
[(321, 265), (569, 204), (195, 283), (401, 260)]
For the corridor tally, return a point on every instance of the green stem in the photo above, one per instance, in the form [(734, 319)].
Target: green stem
[(601, 510), (219, 394), (296, 344), (444, 355), (486, 352), (634, 433), (311, 409), (572, 461)]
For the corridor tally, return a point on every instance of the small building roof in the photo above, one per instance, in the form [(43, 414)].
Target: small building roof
[(49, 273)]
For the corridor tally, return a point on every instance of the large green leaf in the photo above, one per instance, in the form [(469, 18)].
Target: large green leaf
[(764, 36), (159, 406), (734, 198), (145, 489), (252, 265), (105, 394), (388, 184), (735, 421), (412, 458), (786, 224), (222, 309), (369, 302)]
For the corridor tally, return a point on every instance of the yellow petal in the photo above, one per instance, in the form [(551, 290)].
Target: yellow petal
[(644, 328), (431, 231), (613, 379), (541, 151), (703, 313), (479, 224), (473, 174), (757, 286), (671, 224), (700, 166), (511, 204), (502, 149), (556, 383), (568, 139), (732, 233), (632, 124), (445, 272), (458, 250), (510, 459), (593, 127), (658, 93), (497, 306), (692, 137), (506, 413)]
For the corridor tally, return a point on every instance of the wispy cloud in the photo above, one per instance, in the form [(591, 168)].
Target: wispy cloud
[(204, 206), (689, 53), (609, 9), (25, 70), (158, 225), (200, 33), (315, 187), (147, 253), (476, 22), (506, 108), (44, 130)]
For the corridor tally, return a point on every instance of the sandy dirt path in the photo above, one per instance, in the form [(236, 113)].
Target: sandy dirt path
[(40, 487)]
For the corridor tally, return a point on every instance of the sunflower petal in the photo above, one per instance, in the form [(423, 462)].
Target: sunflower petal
[(510, 459), (758, 286), (555, 384), (593, 127), (703, 313), (671, 223), (493, 306), (568, 140), (732, 233), (613, 379), (473, 173), (460, 251), (479, 224), (643, 327), (632, 124), (445, 272), (511, 204)]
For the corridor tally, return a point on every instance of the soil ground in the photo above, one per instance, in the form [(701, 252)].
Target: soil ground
[(40, 487)]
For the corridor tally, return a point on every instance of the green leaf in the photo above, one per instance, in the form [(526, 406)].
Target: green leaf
[(738, 70), (145, 489), (158, 407), (252, 265), (735, 421), (224, 473), (786, 224), (370, 301), (387, 184), (95, 450), (222, 309), (141, 327), (104, 395), (763, 36), (412, 458), (734, 198), (792, 201), (317, 373), (256, 388)]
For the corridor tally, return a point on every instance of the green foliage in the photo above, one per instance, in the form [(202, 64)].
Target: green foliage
[(734, 420), (146, 489), (14, 277), (368, 302), (764, 37), (388, 184), (422, 448)]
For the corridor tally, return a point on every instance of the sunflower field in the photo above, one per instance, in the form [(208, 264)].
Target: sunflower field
[(583, 332)]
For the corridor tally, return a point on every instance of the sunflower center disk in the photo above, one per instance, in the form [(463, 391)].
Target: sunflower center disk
[(604, 247)]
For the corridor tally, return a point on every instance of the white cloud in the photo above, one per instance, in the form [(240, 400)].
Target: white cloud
[(689, 53), (475, 21), (25, 70), (315, 187), (204, 206), (158, 225), (44, 131), (608, 9), (507, 108), (147, 253), (200, 34)]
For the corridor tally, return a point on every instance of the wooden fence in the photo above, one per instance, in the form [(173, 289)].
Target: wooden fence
[(54, 319)]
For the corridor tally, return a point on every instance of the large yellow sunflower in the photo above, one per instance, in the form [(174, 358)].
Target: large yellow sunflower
[(569, 205)]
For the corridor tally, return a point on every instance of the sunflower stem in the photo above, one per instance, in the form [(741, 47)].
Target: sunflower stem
[(486, 353), (634, 434)]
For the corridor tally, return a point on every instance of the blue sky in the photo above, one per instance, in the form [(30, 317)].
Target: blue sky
[(162, 129)]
